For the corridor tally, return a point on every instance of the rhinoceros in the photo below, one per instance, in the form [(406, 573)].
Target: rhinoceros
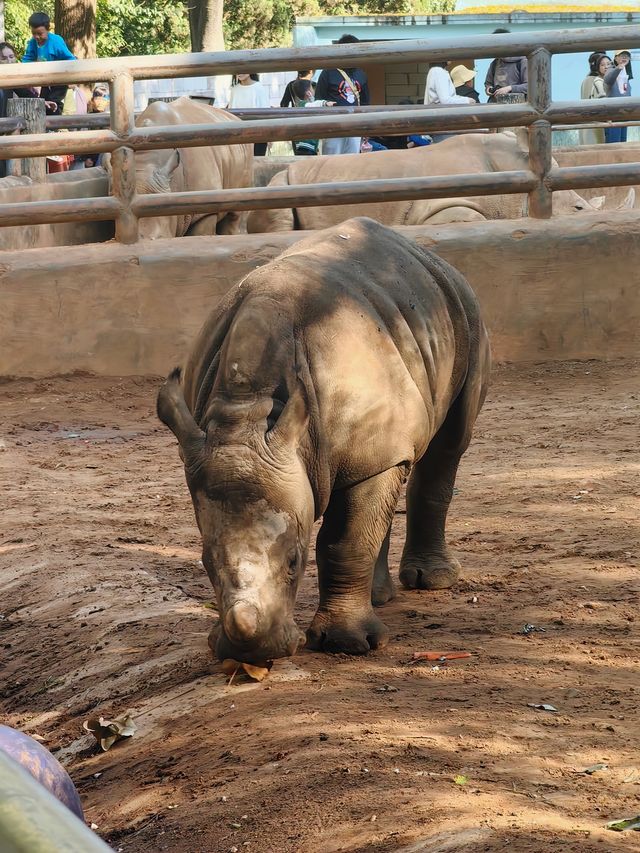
[(317, 386), (212, 167), (466, 153)]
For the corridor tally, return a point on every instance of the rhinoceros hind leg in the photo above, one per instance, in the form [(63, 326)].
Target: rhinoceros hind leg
[(353, 531), (426, 561), (382, 589)]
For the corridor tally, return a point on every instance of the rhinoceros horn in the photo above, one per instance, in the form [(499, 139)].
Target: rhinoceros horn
[(173, 412)]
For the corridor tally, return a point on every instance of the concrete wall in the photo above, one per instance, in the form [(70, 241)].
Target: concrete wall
[(548, 290)]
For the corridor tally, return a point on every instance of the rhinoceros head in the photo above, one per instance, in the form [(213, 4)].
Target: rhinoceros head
[(254, 507)]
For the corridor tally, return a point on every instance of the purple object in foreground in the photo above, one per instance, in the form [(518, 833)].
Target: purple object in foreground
[(42, 765)]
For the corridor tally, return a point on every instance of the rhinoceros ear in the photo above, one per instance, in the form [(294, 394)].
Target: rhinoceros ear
[(171, 165), (629, 201), (173, 412), (293, 421)]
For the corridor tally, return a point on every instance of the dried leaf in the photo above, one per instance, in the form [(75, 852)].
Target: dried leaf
[(256, 672), (625, 823), (542, 707), (461, 780), (107, 732)]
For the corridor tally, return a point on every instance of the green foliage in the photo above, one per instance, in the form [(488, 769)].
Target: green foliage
[(127, 27), (16, 20), (135, 27), (268, 23)]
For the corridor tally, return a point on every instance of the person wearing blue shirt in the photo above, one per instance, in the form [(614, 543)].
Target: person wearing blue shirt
[(47, 47)]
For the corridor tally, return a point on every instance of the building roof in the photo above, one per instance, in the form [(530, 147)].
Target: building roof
[(515, 13)]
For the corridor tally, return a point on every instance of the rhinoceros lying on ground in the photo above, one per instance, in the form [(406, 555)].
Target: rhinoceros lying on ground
[(466, 153), (316, 387), (190, 169)]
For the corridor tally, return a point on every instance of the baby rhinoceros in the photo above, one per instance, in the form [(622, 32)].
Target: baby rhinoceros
[(317, 386)]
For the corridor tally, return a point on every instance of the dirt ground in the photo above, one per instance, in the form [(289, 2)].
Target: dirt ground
[(105, 609)]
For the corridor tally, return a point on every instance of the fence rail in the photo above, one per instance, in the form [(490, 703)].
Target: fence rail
[(123, 139)]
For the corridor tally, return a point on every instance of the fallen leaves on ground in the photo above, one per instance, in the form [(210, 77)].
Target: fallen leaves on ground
[(256, 672), (107, 732)]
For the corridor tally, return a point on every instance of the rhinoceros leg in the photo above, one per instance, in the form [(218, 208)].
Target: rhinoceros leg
[(382, 589), (351, 537), (426, 561), (278, 219)]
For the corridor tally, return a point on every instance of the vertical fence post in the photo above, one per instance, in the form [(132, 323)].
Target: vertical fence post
[(32, 110), (14, 167), (540, 137), (123, 171)]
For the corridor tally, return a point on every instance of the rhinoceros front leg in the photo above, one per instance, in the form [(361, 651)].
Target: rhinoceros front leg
[(353, 531)]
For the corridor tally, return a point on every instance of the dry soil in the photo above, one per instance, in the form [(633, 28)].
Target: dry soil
[(105, 609)]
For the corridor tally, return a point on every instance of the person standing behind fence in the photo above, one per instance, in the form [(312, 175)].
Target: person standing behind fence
[(8, 57), (506, 75), (302, 93), (439, 89), (461, 77), (617, 84), (247, 92), (45, 46), (593, 87), (347, 88), (288, 97)]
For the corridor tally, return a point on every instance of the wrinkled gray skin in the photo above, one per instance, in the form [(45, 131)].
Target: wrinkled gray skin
[(315, 388)]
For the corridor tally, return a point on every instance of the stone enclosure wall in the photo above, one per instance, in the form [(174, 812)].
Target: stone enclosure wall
[(548, 292), (561, 289)]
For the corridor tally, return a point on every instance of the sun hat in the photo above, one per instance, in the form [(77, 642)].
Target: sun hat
[(461, 75), (618, 52)]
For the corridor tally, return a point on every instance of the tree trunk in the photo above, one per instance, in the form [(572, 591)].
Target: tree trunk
[(76, 23), (205, 25)]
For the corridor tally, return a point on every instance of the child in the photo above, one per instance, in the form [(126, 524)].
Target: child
[(47, 47), (302, 94)]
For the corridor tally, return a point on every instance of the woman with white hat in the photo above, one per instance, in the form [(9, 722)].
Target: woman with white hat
[(439, 88), (461, 77), (617, 84)]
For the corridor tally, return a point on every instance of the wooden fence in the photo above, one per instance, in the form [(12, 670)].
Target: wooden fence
[(539, 115)]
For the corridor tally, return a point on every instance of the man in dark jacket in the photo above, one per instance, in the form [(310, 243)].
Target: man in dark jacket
[(506, 74), (347, 88)]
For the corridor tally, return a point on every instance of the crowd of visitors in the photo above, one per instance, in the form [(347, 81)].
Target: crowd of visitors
[(607, 78)]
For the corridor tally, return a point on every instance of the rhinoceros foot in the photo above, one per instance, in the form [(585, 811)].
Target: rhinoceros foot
[(355, 635), (435, 571)]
